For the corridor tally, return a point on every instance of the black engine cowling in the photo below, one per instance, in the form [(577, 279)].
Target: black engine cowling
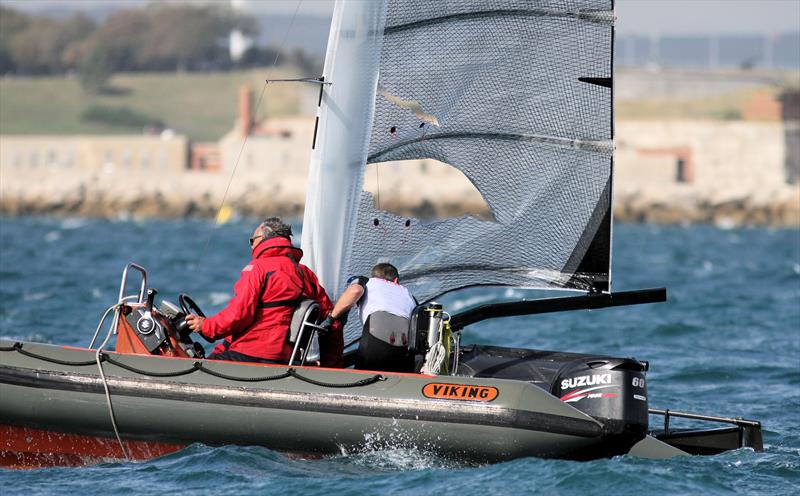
[(612, 390)]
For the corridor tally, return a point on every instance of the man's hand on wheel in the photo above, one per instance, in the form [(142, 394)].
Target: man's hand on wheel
[(195, 322)]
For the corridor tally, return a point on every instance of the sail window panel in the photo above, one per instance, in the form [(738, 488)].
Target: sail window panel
[(539, 227), (425, 189)]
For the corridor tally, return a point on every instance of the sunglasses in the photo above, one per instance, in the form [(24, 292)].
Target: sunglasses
[(254, 238)]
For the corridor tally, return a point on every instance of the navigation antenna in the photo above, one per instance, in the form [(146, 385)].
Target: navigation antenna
[(244, 142)]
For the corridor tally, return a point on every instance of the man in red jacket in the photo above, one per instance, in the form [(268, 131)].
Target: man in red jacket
[(255, 323)]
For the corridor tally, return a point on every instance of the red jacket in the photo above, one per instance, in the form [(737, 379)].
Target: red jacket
[(273, 275)]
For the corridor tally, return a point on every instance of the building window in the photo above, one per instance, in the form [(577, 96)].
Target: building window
[(680, 171)]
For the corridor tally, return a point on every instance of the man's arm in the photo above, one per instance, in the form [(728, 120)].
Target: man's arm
[(331, 343), (241, 309), (350, 297)]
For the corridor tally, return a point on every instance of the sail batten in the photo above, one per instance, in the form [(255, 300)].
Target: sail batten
[(599, 16), (605, 147)]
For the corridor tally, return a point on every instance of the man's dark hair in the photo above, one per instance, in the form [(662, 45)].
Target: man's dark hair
[(275, 226), (385, 271)]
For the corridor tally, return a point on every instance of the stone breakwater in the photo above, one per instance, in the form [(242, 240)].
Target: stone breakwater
[(180, 195), (783, 210)]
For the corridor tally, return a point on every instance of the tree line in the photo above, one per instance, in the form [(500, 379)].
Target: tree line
[(158, 37)]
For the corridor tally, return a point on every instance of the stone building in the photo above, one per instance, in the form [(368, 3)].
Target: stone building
[(164, 152)]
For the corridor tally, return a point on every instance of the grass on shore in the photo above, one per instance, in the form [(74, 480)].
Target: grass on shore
[(202, 106)]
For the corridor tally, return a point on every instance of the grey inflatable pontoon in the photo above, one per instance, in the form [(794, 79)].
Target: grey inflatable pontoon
[(155, 395)]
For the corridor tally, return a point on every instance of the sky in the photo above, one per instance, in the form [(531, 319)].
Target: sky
[(634, 17)]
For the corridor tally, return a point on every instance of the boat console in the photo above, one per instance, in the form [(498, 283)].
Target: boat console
[(142, 327)]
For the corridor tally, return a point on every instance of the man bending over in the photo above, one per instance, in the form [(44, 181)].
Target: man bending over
[(385, 308)]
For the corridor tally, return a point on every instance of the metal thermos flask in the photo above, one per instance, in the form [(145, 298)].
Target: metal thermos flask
[(434, 311)]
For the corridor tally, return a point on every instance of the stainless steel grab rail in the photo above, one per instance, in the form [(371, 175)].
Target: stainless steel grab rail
[(122, 285)]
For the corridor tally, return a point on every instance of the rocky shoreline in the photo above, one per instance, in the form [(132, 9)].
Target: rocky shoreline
[(781, 211), (201, 196)]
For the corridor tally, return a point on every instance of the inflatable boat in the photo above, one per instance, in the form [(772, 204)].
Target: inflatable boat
[(155, 394)]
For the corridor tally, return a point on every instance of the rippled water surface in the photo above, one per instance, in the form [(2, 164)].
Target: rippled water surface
[(726, 343)]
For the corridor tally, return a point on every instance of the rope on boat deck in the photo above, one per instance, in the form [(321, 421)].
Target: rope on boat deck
[(363, 382), (196, 366), (18, 348)]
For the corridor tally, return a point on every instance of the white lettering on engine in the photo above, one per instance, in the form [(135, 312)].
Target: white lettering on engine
[(585, 380)]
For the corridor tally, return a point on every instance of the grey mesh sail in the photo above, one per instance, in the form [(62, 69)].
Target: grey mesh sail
[(518, 96)]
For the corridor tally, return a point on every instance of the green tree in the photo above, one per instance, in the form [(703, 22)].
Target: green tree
[(122, 36), (73, 33), (11, 23), (94, 70), (186, 36), (41, 45)]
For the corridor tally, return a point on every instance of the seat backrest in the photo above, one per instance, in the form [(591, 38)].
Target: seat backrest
[(306, 312)]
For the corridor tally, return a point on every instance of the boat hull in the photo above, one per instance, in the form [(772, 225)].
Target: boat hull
[(312, 412), (26, 447)]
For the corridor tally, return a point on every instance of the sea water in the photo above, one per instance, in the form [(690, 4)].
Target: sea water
[(726, 343)]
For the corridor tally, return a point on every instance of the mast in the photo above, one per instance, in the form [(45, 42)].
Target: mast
[(344, 122)]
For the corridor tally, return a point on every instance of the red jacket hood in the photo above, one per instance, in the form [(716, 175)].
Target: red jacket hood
[(277, 247)]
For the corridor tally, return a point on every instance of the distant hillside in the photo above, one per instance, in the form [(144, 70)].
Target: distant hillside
[(202, 106)]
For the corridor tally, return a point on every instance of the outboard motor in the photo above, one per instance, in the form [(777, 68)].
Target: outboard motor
[(612, 390)]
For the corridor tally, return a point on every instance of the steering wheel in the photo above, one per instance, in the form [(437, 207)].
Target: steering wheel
[(188, 305)]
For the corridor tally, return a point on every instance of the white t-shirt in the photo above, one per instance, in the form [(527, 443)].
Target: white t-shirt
[(381, 295)]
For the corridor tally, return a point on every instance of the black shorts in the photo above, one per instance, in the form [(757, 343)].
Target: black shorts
[(374, 354)]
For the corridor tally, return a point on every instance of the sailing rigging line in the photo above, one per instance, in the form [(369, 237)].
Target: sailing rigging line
[(244, 142)]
